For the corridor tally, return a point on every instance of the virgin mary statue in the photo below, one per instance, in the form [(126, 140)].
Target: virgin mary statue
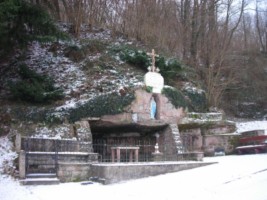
[(153, 108)]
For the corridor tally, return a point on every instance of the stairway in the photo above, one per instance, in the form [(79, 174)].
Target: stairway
[(40, 179), (177, 138)]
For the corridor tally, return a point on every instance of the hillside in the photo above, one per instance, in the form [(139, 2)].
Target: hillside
[(90, 72), (96, 74)]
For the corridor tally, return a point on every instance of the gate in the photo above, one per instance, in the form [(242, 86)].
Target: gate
[(41, 155)]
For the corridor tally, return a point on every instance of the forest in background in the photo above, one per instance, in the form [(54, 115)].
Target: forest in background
[(225, 41)]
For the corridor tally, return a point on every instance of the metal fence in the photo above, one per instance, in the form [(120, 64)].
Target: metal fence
[(54, 145), (49, 149), (104, 149)]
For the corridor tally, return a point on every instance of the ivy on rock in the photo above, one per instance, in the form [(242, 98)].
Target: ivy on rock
[(108, 104)]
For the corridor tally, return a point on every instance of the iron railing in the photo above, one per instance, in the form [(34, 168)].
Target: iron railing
[(104, 149), (55, 145)]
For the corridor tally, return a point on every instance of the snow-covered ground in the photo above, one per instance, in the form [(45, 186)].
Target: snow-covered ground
[(233, 177)]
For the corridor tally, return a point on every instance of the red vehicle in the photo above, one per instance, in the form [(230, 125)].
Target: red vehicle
[(252, 142)]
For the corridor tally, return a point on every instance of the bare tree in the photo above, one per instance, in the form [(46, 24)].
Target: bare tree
[(261, 26), (217, 40), (200, 32)]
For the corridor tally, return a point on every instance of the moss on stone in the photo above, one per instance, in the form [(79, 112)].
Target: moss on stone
[(197, 101), (108, 104), (175, 96)]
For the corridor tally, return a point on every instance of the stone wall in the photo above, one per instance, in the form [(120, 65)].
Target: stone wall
[(138, 114), (212, 116), (113, 173), (209, 135), (139, 110), (213, 141), (82, 130), (165, 110), (46, 162), (218, 129), (208, 143), (194, 155), (42, 130), (73, 172), (167, 145), (197, 139)]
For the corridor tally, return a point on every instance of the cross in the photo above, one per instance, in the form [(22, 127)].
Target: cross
[(153, 55)]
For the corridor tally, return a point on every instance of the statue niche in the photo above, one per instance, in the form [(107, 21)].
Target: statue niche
[(154, 108)]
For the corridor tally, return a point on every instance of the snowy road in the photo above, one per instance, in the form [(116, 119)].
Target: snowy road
[(234, 177)]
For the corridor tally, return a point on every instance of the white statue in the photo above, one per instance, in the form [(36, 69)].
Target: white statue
[(153, 108)]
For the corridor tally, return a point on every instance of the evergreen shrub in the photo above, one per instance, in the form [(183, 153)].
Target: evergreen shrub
[(34, 88), (198, 100), (135, 57), (108, 104), (93, 46), (169, 68), (175, 96), (22, 22)]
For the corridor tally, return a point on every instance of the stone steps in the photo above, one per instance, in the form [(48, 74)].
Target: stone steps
[(40, 179), (177, 138), (41, 175)]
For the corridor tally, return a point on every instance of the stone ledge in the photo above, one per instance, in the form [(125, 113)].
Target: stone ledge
[(72, 172), (197, 156), (113, 173)]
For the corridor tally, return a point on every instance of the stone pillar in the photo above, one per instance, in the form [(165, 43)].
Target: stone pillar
[(22, 164), (157, 157), (199, 156), (83, 130), (18, 143)]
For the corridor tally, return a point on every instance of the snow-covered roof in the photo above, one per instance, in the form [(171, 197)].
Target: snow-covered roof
[(250, 126)]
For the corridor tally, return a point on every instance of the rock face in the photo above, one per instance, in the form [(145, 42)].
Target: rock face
[(208, 135), (140, 110), (83, 131), (138, 118)]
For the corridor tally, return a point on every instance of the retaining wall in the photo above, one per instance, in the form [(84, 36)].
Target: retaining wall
[(73, 172), (113, 173), (46, 162)]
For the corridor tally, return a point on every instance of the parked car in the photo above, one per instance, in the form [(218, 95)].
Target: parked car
[(219, 151), (252, 142), (251, 149)]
